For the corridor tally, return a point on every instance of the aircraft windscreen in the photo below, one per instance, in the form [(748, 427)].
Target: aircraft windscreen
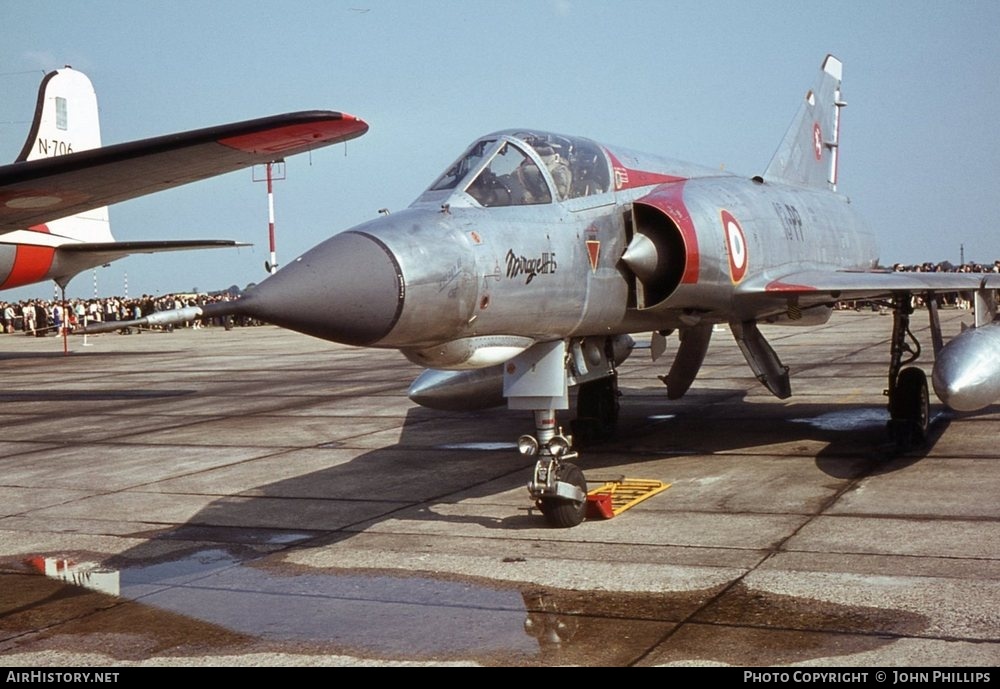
[(573, 167), (511, 179), (471, 159)]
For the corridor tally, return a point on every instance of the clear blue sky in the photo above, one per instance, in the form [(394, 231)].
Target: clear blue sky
[(710, 82)]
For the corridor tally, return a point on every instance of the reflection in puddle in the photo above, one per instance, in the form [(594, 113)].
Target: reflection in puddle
[(88, 575), (421, 617), (848, 419), (478, 446), (285, 538), (378, 613)]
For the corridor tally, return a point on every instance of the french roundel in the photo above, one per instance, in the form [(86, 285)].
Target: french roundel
[(736, 243), (817, 141)]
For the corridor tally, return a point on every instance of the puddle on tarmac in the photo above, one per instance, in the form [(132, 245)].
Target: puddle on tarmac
[(478, 446), (853, 419), (211, 602), (848, 419)]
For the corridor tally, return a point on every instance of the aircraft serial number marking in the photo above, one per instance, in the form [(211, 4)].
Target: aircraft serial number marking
[(54, 147), (791, 221)]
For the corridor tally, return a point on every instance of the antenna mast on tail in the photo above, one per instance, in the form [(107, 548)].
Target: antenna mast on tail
[(835, 67)]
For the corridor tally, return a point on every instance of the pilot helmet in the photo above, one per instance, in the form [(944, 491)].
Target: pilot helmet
[(547, 154)]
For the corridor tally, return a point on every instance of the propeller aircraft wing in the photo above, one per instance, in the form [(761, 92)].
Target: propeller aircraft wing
[(54, 197), (37, 191)]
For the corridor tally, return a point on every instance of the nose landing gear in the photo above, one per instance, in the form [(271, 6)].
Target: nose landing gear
[(557, 486)]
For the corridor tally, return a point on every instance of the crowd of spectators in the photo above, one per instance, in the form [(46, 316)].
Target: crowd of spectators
[(956, 299), (41, 317), (946, 267)]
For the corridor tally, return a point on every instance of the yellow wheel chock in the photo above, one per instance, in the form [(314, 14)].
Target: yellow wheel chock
[(614, 497)]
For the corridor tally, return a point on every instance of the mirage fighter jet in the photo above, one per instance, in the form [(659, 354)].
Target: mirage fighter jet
[(526, 266)]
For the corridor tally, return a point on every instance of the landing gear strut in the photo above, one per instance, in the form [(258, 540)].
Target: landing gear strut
[(557, 485), (538, 379), (909, 401)]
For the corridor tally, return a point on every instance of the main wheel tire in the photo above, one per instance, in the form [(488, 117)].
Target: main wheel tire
[(909, 407), (561, 512), (597, 409)]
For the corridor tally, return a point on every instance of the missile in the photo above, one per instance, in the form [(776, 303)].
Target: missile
[(966, 374)]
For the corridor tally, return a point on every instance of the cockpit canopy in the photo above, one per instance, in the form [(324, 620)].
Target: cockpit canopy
[(519, 168)]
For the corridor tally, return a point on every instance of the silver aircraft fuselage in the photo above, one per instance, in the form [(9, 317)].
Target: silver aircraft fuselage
[(475, 269)]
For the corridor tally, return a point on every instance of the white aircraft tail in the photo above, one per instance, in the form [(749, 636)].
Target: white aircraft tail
[(808, 154), (66, 121)]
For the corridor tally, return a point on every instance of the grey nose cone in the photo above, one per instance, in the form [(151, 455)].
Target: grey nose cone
[(348, 289)]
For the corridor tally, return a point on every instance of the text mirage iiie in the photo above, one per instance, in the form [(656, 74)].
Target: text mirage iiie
[(523, 270)]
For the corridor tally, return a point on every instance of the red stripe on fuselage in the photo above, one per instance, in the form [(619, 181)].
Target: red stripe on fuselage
[(779, 286), (669, 199), (31, 263), (630, 178)]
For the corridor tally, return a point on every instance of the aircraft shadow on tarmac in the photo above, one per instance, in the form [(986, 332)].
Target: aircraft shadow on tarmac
[(845, 441), (405, 481), (478, 459), (446, 457)]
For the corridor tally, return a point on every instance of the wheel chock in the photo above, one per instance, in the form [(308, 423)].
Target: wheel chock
[(614, 497), (600, 506)]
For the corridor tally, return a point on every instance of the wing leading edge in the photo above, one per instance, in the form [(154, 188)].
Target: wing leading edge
[(38, 191), (862, 284), (816, 287)]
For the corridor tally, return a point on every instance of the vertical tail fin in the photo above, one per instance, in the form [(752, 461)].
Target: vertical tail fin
[(66, 121), (807, 155)]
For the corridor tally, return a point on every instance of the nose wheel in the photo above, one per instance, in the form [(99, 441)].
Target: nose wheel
[(557, 486), (569, 507)]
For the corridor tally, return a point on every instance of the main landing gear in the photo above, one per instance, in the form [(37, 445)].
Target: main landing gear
[(596, 410), (909, 400)]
